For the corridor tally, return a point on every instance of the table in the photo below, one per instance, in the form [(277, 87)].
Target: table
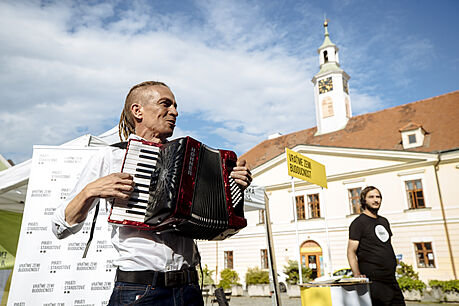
[(336, 294)]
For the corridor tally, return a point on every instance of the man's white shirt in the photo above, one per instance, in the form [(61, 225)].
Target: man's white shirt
[(138, 249)]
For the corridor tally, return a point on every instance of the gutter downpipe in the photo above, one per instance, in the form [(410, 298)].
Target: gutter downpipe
[(448, 241)]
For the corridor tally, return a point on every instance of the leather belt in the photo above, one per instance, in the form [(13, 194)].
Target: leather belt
[(162, 279)]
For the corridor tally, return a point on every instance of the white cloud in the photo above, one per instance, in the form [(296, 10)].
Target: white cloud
[(66, 67)]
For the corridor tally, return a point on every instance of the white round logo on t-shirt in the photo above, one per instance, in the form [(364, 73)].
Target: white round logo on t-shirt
[(381, 233)]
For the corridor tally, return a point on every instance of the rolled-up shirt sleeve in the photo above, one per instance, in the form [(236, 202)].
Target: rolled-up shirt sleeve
[(94, 169)]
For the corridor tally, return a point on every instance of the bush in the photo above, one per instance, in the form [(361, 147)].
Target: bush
[(256, 276), (445, 286), (409, 279), (408, 284), (407, 270), (228, 277), (291, 269), (207, 275)]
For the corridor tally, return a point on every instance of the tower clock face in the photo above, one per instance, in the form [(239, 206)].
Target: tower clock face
[(345, 87), (325, 85)]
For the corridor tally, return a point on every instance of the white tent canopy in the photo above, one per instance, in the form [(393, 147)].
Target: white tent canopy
[(14, 180)]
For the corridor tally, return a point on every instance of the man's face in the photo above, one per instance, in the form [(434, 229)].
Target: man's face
[(373, 200), (159, 113)]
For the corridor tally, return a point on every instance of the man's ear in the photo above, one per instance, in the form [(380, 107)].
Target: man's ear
[(137, 111)]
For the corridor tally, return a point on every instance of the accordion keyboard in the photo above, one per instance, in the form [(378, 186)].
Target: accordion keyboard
[(140, 162), (236, 192)]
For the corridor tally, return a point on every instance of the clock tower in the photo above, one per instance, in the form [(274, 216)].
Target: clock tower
[(331, 91)]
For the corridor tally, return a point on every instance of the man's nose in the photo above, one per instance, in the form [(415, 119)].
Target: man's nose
[(173, 111)]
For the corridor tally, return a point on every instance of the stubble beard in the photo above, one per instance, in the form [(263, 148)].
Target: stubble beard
[(373, 210)]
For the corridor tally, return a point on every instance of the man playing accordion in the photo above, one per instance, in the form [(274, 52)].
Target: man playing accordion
[(146, 259)]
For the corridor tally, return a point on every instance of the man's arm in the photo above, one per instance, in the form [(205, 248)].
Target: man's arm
[(116, 185), (352, 257)]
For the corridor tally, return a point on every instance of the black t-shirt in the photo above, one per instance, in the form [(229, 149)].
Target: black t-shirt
[(375, 254)]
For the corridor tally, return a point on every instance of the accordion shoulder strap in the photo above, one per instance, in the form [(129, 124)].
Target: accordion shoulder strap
[(121, 145)]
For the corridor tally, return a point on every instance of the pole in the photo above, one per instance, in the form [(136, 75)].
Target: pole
[(300, 272), (216, 262), (271, 256), (329, 267)]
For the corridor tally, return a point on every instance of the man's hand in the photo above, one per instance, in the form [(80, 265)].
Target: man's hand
[(241, 174), (115, 185)]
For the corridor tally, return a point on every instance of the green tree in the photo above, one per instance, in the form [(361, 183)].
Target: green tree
[(408, 278), (228, 277), (207, 276), (291, 269), (256, 276)]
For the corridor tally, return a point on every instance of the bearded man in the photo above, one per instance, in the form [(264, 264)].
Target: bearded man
[(370, 253)]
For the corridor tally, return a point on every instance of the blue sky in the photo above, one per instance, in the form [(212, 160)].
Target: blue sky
[(240, 70)]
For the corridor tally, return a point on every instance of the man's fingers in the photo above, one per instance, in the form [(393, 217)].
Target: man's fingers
[(240, 163), (122, 175)]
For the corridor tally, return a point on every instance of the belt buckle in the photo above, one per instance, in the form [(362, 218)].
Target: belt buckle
[(174, 279)]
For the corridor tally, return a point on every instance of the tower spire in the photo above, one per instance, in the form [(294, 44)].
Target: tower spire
[(327, 42)]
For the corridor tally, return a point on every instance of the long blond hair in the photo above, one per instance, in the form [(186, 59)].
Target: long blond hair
[(126, 126)]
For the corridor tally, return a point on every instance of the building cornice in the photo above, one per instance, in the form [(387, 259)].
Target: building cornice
[(403, 156)]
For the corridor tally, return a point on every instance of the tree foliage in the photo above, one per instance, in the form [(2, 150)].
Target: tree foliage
[(256, 276), (207, 276), (228, 277), (291, 269), (409, 279)]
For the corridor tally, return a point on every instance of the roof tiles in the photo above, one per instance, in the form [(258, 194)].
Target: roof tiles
[(438, 116)]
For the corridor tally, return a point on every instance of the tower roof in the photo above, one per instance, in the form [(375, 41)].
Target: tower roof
[(327, 42)]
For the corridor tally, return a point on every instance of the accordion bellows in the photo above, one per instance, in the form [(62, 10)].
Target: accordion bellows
[(182, 186)]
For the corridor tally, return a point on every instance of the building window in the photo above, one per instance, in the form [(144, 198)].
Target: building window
[(228, 259), (327, 107), (412, 138), (415, 194), (264, 258), (354, 200), (314, 205), (424, 255), (300, 209), (261, 216)]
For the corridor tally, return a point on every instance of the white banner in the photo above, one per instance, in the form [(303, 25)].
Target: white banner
[(49, 271), (254, 198)]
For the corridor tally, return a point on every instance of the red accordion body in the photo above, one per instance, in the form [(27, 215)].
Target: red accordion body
[(182, 186)]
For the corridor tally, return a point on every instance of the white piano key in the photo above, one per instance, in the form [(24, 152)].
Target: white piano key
[(142, 196), (139, 180), (121, 215)]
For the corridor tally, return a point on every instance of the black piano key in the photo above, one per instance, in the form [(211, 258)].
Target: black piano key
[(135, 206), (144, 170), (128, 211), (148, 157), (146, 165), (147, 177), (138, 200), (148, 151)]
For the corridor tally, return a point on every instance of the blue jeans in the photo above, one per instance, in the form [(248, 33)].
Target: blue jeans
[(139, 294)]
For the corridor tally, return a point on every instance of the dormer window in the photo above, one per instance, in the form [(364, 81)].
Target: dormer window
[(412, 135)]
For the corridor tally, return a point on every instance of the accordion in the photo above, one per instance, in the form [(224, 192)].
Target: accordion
[(181, 186)]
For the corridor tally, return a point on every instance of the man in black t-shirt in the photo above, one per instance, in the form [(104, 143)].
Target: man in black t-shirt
[(370, 253)]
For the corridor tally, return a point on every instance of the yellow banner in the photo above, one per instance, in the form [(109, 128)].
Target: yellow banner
[(306, 169)]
